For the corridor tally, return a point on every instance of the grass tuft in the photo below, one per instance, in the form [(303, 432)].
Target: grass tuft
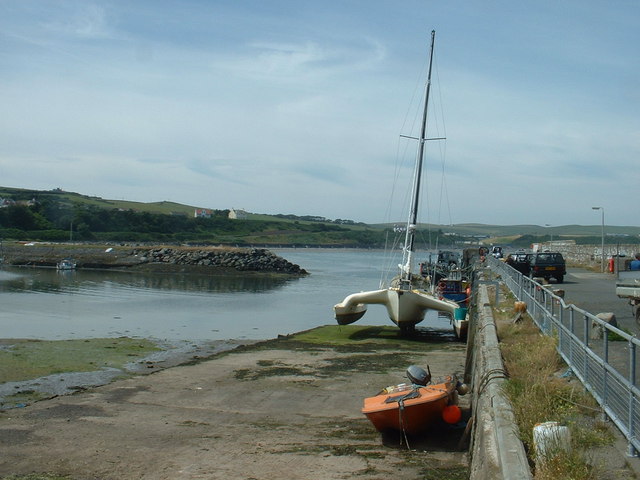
[(566, 466), (538, 394)]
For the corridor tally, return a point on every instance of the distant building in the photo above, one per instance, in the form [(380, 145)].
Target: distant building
[(8, 202), (203, 213), (237, 214)]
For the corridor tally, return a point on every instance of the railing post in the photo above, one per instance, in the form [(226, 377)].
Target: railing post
[(560, 313), (572, 322), (632, 363), (585, 338), (572, 330), (631, 450), (586, 343), (520, 285), (561, 333)]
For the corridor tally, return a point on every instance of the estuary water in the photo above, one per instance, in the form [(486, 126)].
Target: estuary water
[(39, 303)]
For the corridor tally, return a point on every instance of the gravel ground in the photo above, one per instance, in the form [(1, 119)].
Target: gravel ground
[(259, 412)]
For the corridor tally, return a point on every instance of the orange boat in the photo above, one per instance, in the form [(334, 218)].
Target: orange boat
[(410, 408)]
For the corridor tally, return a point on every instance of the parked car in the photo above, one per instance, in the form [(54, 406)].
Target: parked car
[(520, 261), (546, 265)]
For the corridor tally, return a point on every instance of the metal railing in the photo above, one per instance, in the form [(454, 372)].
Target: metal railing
[(602, 357)]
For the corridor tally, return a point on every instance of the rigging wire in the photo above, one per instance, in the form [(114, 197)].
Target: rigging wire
[(443, 154), (438, 124), (402, 159), (401, 163)]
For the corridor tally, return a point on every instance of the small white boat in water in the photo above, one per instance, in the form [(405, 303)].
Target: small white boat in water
[(408, 298), (66, 264)]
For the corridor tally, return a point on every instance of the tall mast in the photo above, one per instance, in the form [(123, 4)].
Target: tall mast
[(409, 247)]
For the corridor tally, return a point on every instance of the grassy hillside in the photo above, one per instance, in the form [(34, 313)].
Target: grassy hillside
[(57, 215), (72, 198)]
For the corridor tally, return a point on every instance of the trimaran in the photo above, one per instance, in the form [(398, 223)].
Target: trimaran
[(406, 302)]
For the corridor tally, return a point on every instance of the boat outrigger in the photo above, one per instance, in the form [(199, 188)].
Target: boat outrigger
[(407, 299)]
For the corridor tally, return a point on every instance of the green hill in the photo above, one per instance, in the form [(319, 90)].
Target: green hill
[(72, 198), (56, 215)]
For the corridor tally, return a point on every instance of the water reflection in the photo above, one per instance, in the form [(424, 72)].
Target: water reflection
[(91, 282), (42, 303)]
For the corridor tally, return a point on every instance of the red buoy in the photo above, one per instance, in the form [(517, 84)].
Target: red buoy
[(451, 414)]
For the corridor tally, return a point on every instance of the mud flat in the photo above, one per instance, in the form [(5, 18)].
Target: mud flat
[(33, 370), (287, 408)]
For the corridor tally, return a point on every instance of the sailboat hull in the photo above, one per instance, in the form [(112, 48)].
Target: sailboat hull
[(405, 308), (406, 304)]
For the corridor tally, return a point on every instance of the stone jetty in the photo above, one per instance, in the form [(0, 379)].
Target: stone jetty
[(245, 260), (162, 259)]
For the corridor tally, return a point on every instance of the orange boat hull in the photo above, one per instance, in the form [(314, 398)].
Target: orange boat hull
[(407, 411)]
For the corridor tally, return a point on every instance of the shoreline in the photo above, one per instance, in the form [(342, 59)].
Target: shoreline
[(249, 413), (150, 259), (21, 393)]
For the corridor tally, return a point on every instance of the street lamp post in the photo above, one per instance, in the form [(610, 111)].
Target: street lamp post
[(602, 252)]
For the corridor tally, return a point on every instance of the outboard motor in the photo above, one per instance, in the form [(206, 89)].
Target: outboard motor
[(418, 375)]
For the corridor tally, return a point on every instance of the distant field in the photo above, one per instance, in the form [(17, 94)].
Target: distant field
[(76, 198), (492, 233)]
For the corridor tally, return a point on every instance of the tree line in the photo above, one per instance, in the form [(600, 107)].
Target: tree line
[(51, 220)]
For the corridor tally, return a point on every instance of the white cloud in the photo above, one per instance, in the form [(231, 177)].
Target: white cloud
[(299, 111)]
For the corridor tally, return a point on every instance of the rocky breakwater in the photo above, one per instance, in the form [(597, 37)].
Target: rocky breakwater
[(240, 260), (161, 259)]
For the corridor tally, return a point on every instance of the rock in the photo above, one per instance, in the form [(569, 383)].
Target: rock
[(597, 330), (258, 260)]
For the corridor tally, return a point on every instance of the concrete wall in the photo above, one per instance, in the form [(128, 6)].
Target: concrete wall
[(591, 254), (496, 451)]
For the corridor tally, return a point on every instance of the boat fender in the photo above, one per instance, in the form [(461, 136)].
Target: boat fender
[(452, 414), (462, 388)]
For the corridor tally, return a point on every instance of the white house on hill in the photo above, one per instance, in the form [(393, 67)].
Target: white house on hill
[(237, 214)]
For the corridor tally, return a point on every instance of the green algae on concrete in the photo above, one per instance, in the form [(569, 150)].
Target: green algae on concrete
[(29, 359), (348, 335), (360, 347), (388, 337)]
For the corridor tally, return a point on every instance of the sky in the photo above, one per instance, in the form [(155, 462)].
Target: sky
[(298, 107)]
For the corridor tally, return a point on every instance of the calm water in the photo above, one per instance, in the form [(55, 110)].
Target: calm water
[(46, 304)]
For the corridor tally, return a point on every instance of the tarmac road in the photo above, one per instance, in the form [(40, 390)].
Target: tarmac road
[(596, 292)]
